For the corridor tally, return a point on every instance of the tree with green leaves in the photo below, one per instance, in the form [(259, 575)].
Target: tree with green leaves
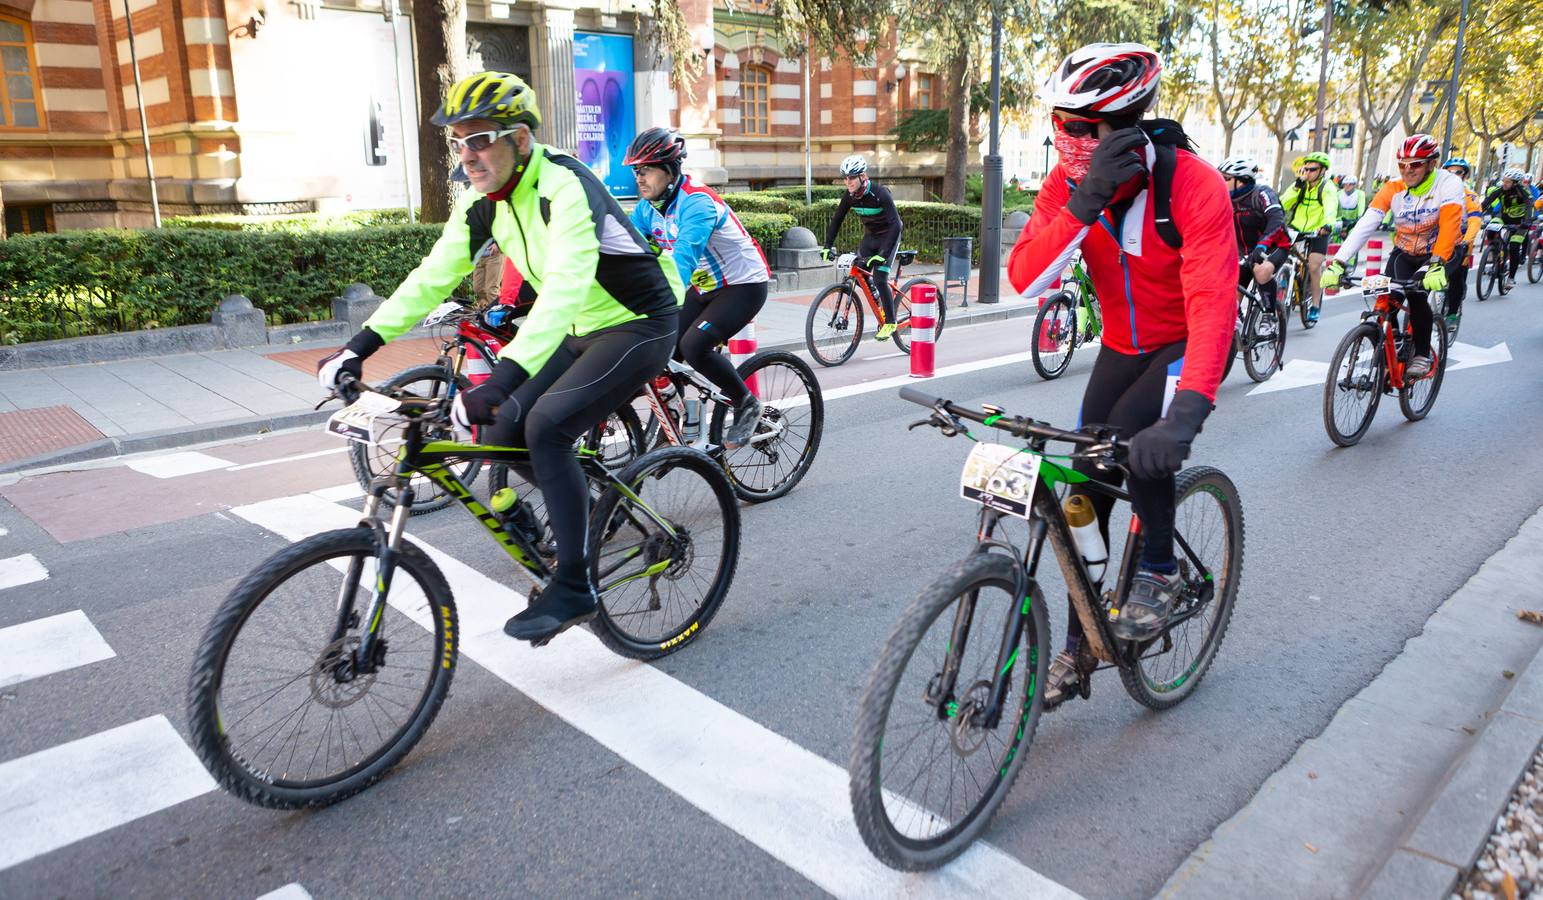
[(1236, 41), (1391, 52), (1287, 97)]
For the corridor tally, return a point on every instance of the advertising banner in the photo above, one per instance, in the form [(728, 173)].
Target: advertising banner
[(602, 76)]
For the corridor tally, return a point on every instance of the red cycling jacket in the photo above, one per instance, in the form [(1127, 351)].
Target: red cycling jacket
[(1150, 294)]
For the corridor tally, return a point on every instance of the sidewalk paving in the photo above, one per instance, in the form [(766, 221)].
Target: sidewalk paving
[(69, 414)]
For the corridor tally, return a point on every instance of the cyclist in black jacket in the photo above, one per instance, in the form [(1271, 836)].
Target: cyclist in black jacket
[(1512, 202), (881, 232), (1257, 219)]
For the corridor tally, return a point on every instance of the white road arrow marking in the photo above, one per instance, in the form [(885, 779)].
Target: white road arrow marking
[(1467, 356)]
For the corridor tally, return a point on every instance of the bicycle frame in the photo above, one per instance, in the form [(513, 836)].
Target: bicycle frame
[(859, 276), (1386, 309)]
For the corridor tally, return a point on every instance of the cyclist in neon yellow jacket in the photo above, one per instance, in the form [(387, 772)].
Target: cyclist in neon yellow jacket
[(603, 323), (1310, 208)]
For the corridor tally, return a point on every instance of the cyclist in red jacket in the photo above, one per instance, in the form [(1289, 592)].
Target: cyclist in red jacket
[(1168, 300)]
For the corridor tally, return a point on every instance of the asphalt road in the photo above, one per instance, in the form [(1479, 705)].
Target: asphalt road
[(1348, 552)]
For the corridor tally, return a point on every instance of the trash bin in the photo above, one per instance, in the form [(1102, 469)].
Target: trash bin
[(956, 271)]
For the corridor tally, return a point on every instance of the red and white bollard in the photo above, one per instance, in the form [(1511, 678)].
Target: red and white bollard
[(741, 348), (1373, 257), (924, 320), (1333, 249)]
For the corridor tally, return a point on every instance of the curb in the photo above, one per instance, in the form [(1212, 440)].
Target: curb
[(172, 438), (166, 440), (1445, 842)]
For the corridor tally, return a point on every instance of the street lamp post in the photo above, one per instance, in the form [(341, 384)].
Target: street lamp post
[(144, 125), (991, 177)]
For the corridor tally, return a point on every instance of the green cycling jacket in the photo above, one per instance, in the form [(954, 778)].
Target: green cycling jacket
[(1306, 207), (590, 267)]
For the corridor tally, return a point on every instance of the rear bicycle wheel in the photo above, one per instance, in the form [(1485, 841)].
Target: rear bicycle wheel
[(1264, 339), (1354, 385), (1416, 399), (1535, 260), (277, 709), (370, 461), (663, 554), (1304, 299), (1054, 339), (834, 325), (1209, 517), (788, 435), (927, 771)]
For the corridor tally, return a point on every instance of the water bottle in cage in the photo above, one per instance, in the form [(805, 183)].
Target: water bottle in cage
[(691, 429)]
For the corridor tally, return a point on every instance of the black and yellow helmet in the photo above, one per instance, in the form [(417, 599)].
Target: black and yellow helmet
[(501, 97)]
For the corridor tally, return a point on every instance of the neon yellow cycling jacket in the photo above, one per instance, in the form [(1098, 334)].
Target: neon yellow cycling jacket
[(1306, 206), (590, 267)]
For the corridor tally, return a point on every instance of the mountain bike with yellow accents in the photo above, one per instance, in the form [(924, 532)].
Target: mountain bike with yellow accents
[(328, 662), (945, 722)]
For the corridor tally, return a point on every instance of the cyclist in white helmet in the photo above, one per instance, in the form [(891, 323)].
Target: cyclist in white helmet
[(881, 231)]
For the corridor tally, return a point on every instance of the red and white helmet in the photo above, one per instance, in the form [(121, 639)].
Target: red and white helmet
[(1419, 146), (1105, 78)]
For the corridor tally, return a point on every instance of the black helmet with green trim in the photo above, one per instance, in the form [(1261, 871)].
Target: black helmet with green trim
[(500, 97)]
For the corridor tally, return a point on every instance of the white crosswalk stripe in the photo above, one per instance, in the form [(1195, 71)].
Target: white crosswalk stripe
[(45, 646), (19, 570)]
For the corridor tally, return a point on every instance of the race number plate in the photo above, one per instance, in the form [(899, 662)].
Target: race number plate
[(438, 314), (1374, 283), (1001, 477), (356, 422), (845, 260)]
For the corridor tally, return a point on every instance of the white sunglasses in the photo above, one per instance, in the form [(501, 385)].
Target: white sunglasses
[(478, 142)]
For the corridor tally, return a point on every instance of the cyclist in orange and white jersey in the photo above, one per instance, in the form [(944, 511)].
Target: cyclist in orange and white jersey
[(1426, 204)]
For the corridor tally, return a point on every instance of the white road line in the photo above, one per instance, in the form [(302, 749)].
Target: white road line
[(4, 531), (339, 493), (895, 355), (788, 801), (291, 891), (172, 465), (285, 459), (67, 793), (45, 646), (20, 570)]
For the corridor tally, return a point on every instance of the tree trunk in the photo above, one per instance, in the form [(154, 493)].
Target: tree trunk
[(439, 31), (1280, 161), (958, 158), (1227, 132)]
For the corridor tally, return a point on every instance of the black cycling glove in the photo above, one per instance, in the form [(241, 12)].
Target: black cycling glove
[(479, 405), (1258, 256), (348, 358), (1116, 161), (1160, 449)]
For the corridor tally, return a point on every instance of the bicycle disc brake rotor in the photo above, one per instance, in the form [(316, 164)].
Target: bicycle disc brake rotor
[(335, 681), (966, 732)]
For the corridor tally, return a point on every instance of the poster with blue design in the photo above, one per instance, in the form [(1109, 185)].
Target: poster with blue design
[(602, 77)]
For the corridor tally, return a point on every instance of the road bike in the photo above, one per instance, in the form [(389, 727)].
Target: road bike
[(470, 340), (1067, 319), (1535, 253), (1294, 288), (1371, 359), (947, 716), (834, 326), (1493, 262), (328, 662), (1259, 333)]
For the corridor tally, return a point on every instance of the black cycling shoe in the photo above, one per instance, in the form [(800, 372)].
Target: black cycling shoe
[(1148, 605), (747, 415), (564, 603)]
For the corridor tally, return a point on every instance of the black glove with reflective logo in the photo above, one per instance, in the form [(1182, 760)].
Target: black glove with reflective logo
[(1160, 449), (479, 405), (1117, 160)]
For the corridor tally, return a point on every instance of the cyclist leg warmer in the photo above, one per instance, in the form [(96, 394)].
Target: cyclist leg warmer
[(583, 383), (1515, 249), (1401, 267), (721, 315)]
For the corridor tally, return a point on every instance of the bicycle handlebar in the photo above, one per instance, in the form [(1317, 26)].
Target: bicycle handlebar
[(1018, 426)]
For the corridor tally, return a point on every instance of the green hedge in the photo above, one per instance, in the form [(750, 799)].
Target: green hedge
[(795, 192), (762, 202), (767, 229), (926, 225), (99, 282), (367, 218)]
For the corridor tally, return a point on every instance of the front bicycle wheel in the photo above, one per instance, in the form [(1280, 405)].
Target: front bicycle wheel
[(1354, 386), (280, 710), (788, 435), (1489, 272), (1264, 339), (834, 325), (1415, 399), (1054, 339), (929, 765), (1209, 519), (370, 461), (662, 552)]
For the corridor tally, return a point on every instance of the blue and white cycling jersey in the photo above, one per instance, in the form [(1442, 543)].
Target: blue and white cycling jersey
[(711, 248)]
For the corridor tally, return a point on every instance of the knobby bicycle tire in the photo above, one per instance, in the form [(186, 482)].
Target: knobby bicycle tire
[(1141, 680), (369, 462), (745, 464), (622, 534), (873, 800), (834, 326), (1058, 308), (1364, 342), (208, 730)]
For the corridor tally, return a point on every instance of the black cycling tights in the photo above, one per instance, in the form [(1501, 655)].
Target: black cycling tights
[(710, 319), (1514, 250), (1401, 266), (583, 383)]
